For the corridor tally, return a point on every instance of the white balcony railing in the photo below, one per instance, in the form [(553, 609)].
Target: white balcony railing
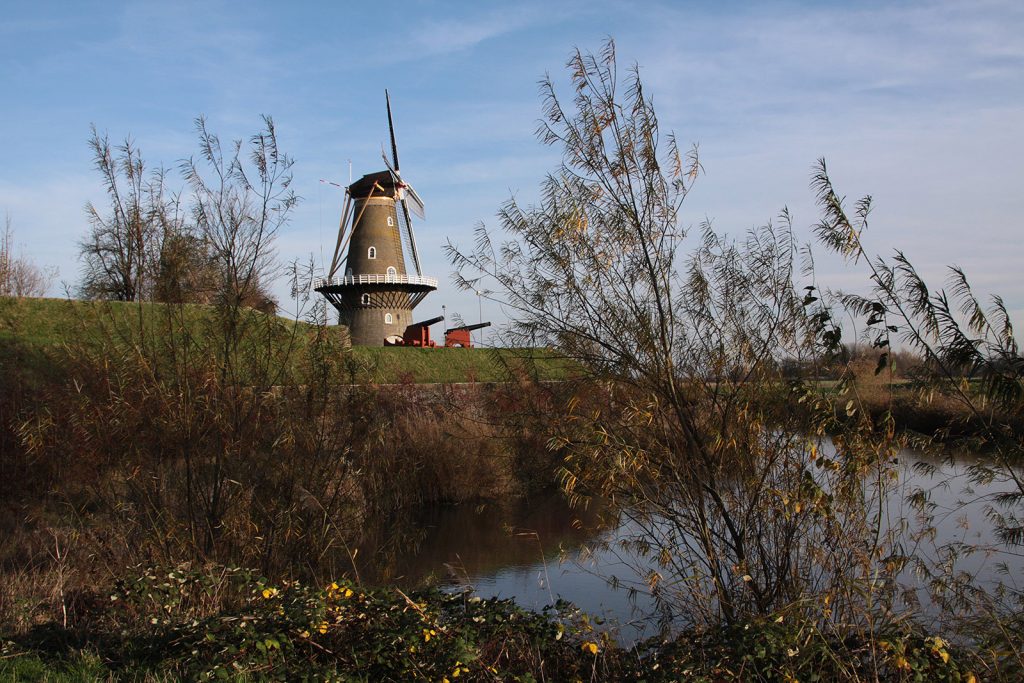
[(375, 280)]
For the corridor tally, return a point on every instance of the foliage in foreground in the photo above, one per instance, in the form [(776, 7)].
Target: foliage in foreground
[(745, 501), (219, 623)]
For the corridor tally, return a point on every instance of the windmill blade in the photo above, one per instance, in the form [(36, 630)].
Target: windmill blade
[(342, 224), (341, 245), (412, 238), (391, 128), (417, 203), (391, 169)]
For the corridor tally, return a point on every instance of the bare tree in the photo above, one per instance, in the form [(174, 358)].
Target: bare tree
[(122, 246), (19, 276), (677, 422), (145, 248), (238, 208)]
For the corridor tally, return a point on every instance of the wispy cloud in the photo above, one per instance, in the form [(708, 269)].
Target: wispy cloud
[(920, 103), (450, 35)]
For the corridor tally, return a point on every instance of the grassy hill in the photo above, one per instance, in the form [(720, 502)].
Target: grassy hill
[(32, 331)]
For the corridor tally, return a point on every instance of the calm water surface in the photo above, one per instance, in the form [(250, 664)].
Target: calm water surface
[(537, 551)]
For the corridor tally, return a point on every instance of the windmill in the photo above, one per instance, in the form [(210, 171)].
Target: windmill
[(369, 285)]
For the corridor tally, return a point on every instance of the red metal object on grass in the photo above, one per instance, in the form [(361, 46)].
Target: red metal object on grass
[(460, 336), (417, 334)]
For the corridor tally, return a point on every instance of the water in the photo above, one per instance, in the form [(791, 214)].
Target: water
[(960, 516), (538, 550)]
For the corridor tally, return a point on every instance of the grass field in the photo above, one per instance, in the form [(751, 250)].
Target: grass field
[(32, 331)]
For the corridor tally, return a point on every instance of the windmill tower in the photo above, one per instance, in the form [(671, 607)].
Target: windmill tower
[(370, 286)]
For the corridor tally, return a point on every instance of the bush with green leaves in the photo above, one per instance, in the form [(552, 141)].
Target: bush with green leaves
[(222, 623)]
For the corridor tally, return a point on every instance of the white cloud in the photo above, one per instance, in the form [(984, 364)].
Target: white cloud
[(451, 35)]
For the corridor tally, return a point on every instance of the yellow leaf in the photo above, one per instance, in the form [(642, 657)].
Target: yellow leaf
[(590, 647)]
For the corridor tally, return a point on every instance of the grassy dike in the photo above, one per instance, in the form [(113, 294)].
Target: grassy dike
[(30, 328)]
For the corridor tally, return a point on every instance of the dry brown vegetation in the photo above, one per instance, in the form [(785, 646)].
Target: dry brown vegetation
[(111, 464), (149, 434)]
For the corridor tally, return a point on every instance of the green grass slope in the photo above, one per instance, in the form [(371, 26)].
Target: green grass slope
[(32, 332)]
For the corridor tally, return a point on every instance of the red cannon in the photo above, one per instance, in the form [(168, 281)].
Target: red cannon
[(460, 336), (417, 334)]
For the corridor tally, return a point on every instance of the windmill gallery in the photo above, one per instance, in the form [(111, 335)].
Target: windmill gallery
[(370, 286)]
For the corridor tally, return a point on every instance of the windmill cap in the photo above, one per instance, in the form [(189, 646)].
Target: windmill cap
[(363, 186)]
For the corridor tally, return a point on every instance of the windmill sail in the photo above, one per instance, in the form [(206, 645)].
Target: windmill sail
[(417, 203), (411, 238), (391, 129), (342, 226), (403, 232), (405, 192)]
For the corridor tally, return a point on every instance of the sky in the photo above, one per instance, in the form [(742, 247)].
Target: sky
[(919, 104)]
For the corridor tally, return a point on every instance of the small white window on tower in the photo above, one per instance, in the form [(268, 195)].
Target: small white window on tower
[(371, 252), (388, 319), (366, 299), (392, 272), (391, 222)]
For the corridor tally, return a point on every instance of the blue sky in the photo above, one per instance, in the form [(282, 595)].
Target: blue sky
[(920, 104)]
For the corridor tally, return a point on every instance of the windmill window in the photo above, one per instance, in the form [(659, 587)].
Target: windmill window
[(366, 299), (388, 319), (391, 222), (392, 272), (371, 253)]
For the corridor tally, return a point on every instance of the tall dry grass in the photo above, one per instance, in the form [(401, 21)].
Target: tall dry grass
[(149, 449)]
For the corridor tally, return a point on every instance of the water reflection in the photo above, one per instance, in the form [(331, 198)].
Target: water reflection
[(953, 535), (535, 551), (459, 544), (530, 549)]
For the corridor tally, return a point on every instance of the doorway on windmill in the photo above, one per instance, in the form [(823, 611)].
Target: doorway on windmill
[(392, 273), (366, 299)]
